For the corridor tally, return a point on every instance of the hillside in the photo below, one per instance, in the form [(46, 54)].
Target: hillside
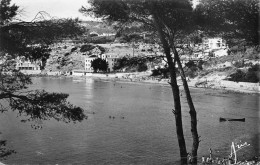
[(69, 56), (99, 27)]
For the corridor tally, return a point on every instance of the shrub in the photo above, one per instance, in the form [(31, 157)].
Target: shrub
[(66, 54), (238, 76), (85, 48), (73, 49), (121, 63), (252, 53), (200, 63), (250, 76), (101, 39), (93, 35), (156, 72), (254, 68), (239, 64), (190, 64), (161, 72), (132, 64), (142, 67), (101, 49), (191, 72), (99, 64)]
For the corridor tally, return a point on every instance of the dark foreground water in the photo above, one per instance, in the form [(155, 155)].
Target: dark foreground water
[(143, 131)]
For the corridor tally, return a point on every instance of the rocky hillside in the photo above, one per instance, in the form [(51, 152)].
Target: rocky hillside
[(68, 56), (98, 27)]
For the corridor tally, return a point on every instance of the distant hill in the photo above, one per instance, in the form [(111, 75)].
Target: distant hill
[(99, 27)]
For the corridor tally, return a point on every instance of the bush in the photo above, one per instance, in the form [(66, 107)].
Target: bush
[(254, 68), (101, 49), (191, 69), (252, 53), (156, 72), (161, 72), (131, 64), (191, 72), (200, 64), (66, 54), (121, 63), (99, 64), (131, 37), (250, 76), (142, 67), (73, 49), (93, 35), (190, 64), (239, 64), (85, 48), (238, 76), (100, 39)]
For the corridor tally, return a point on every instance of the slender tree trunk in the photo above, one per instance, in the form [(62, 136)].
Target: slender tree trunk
[(193, 113), (176, 93)]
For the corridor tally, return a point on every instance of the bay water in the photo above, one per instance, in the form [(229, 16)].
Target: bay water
[(131, 123)]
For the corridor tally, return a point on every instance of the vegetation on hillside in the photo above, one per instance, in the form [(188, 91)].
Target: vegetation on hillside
[(133, 64), (99, 39), (249, 75), (89, 47), (99, 65)]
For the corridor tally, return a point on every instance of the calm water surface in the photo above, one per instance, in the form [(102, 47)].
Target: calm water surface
[(143, 131)]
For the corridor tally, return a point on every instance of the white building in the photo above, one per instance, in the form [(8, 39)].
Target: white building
[(27, 67), (111, 63), (107, 34), (78, 73), (88, 61), (220, 53), (214, 43), (111, 60), (195, 3), (215, 46)]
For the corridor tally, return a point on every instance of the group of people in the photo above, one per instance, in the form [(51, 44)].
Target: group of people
[(210, 160)]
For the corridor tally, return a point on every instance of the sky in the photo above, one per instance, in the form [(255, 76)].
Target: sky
[(56, 8)]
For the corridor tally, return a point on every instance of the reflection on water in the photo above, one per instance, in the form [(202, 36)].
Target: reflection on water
[(142, 130)]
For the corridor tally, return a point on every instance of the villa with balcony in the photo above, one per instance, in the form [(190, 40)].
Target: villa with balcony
[(27, 66)]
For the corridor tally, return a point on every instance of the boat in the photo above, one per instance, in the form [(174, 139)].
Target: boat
[(231, 119)]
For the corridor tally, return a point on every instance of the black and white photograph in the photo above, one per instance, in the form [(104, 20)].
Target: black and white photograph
[(129, 82)]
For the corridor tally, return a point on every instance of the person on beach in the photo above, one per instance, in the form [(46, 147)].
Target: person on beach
[(208, 160), (189, 158), (224, 161), (210, 153), (203, 160), (230, 160)]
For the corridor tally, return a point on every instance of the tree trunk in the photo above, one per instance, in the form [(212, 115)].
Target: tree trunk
[(176, 93), (193, 113), (178, 115)]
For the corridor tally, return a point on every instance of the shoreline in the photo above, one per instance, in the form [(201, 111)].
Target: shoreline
[(144, 77), (229, 86)]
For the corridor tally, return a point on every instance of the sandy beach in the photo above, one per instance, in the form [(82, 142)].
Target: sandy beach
[(211, 82)]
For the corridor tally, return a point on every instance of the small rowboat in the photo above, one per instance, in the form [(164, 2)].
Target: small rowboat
[(230, 119)]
